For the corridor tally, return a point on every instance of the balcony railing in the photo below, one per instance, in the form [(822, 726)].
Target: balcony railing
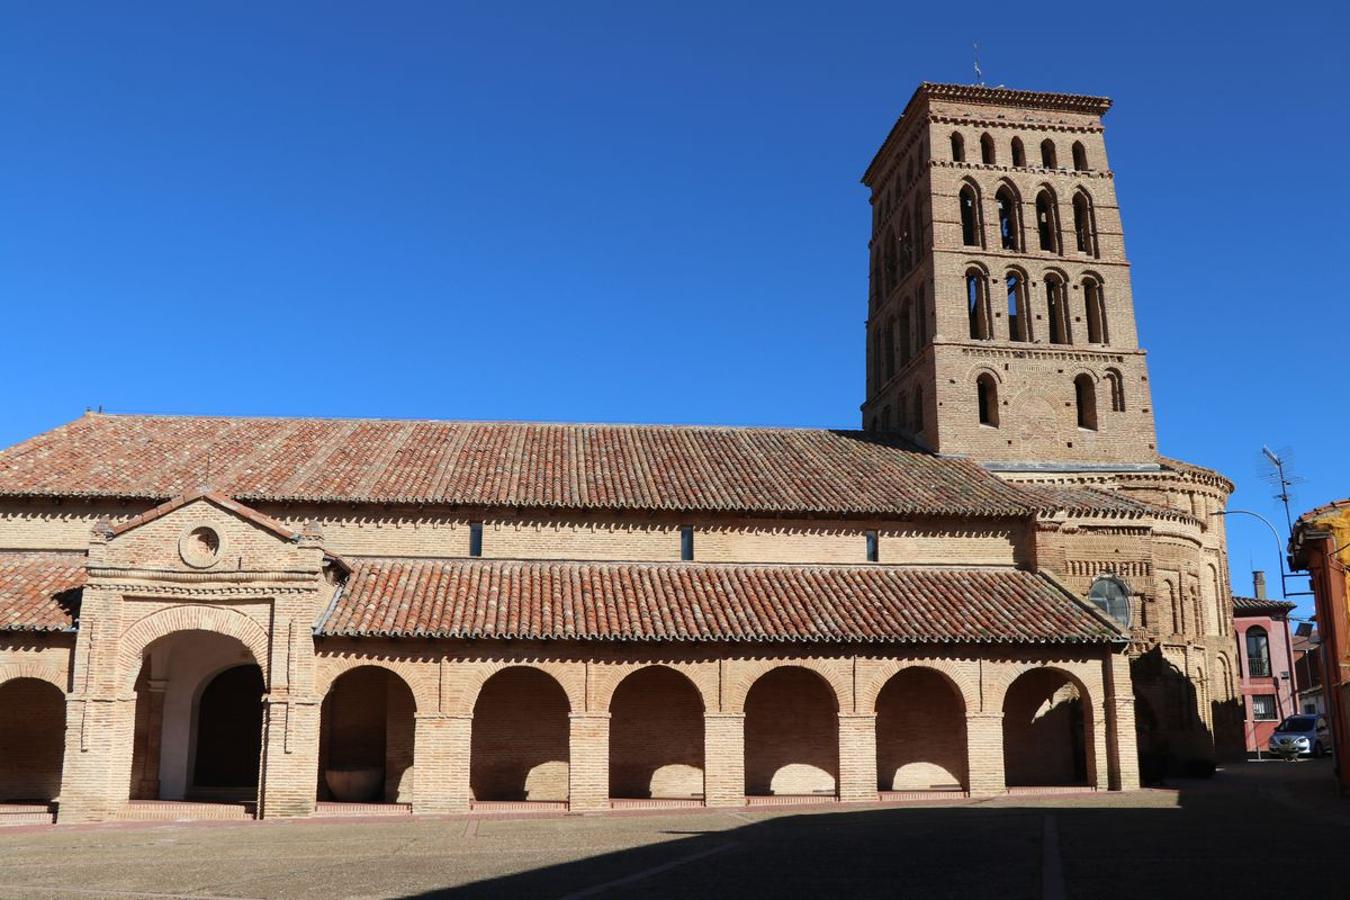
[(1258, 668)]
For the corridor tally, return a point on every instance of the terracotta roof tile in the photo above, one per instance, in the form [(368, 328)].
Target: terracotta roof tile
[(471, 599), (515, 464), (1255, 606), (36, 590)]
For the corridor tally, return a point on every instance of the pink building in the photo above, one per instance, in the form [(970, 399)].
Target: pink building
[(1266, 659)]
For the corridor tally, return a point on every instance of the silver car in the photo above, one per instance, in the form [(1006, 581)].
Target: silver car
[(1306, 735)]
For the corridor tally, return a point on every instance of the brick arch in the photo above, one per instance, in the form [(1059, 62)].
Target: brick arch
[(574, 688), (1093, 707), (997, 688), (214, 619), (59, 678), (959, 681), (414, 677), (605, 685), (835, 678)]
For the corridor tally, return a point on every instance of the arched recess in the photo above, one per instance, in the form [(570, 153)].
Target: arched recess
[(197, 731), (32, 739), (421, 678), (791, 734), (214, 619), (971, 215), (366, 730), (921, 732), (1047, 730), (227, 735), (520, 745), (656, 736)]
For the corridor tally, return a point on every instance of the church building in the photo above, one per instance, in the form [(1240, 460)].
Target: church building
[(995, 584)]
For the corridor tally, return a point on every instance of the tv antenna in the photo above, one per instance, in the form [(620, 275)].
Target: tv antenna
[(1281, 478)]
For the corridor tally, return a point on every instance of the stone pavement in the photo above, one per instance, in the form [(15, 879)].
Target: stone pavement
[(1244, 833)]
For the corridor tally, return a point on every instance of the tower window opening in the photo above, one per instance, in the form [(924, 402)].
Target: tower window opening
[(970, 217), (1117, 385), (1019, 154), (916, 419), (475, 538), (958, 148), (1019, 321), (1047, 221), (1048, 154), (1085, 232), (987, 150), (977, 305), (920, 320), (1057, 304), (1079, 157), (986, 395), (872, 546), (1085, 396), (905, 349), (876, 359), (1009, 224), (890, 350), (1096, 311)]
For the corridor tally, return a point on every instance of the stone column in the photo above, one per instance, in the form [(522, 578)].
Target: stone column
[(724, 759), (857, 757), (288, 779), (441, 763), (984, 752), (588, 762), (1121, 742)]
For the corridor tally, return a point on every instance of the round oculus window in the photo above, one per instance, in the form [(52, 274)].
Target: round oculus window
[(200, 547)]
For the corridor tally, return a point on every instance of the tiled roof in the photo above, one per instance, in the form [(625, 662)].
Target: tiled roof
[(512, 464), (36, 590), (1253, 606), (706, 602), (1083, 498)]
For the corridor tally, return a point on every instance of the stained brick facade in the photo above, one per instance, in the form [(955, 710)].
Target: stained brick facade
[(577, 659)]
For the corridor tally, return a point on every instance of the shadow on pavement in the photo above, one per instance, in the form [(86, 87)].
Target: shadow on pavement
[(1233, 836)]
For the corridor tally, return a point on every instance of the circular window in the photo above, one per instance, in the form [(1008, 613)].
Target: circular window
[(200, 547)]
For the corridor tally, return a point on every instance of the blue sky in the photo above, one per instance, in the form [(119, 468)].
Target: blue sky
[(629, 212)]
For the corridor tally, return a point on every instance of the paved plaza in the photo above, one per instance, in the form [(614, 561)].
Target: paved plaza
[(1195, 839)]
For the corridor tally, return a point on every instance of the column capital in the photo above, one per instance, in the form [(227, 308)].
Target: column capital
[(724, 715), (984, 715), (588, 715), (857, 717)]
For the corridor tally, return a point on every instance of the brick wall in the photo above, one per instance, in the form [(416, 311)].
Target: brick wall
[(32, 737), (921, 733), (1043, 732), (656, 736), (520, 738), (367, 722), (791, 735)]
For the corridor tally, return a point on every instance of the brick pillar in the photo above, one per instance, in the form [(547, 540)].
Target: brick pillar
[(441, 764), (588, 762), (984, 751), (288, 780), (146, 779), (724, 759), (96, 771), (857, 757), (1121, 744)]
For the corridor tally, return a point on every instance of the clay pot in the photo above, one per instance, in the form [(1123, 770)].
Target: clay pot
[(356, 785)]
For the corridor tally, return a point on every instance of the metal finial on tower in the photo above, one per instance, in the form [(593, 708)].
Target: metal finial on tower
[(979, 73)]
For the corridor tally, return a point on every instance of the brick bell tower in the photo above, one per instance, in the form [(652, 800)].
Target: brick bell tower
[(1000, 322)]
